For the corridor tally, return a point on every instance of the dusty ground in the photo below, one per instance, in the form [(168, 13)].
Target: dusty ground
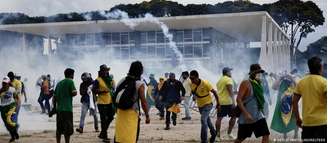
[(185, 131)]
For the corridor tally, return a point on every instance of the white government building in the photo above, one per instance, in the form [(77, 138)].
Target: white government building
[(216, 40)]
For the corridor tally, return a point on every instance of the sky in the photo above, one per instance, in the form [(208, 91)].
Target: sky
[(51, 7)]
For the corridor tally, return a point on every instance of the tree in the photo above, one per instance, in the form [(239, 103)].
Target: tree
[(296, 18)]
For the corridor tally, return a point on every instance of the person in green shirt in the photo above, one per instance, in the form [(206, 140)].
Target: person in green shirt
[(64, 93)]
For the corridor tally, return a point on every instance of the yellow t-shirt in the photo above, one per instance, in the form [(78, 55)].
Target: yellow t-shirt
[(203, 93), (221, 85), (313, 89), (17, 85), (103, 98)]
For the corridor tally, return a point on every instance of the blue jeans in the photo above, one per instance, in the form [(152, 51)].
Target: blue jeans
[(84, 110), (46, 105), (206, 122)]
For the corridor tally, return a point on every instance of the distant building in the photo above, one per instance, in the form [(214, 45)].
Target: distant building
[(216, 40)]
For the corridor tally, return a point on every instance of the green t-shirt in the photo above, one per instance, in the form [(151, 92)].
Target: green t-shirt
[(64, 95)]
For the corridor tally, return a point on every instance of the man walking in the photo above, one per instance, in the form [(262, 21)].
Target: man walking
[(64, 93), (313, 91), (172, 93), (227, 101), (87, 101), (102, 87), (250, 101), (202, 89), (188, 98)]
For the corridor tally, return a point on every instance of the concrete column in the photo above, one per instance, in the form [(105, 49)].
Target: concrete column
[(263, 53), (275, 56), (279, 52), (270, 54)]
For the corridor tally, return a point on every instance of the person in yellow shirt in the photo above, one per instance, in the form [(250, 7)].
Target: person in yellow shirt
[(102, 87), (313, 91), (202, 89), (18, 87), (227, 102)]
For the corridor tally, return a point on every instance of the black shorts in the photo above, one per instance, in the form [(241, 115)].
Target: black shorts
[(315, 134), (64, 123), (226, 110), (260, 128)]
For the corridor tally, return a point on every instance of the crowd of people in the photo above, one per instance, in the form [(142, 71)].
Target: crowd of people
[(248, 104)]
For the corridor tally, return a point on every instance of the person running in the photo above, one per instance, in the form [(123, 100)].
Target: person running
[(188, 98), (103, 87), (64, 93), (127, 126), (44, 95), (158, 101), (86, 99), (202, 90), (151, 91), (250, 101), (283, 120), (18, 87), (8, 102), (227, 101), (312, 88), (172, 93)]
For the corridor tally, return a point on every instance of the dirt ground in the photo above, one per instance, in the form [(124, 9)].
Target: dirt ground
[(184, 131)]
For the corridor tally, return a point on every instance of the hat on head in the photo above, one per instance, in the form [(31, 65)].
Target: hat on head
[(226, 69), (255, 68), (104, 67), (6, 79)]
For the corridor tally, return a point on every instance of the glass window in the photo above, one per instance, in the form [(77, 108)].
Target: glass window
[(188, 51), (160, 37), (197, 35), (179, 36), (160, 51), (107, 37), (198, 50), (151, 37), (187, 35), (207, 34), (116, 38), (143, 37), (124, 38)]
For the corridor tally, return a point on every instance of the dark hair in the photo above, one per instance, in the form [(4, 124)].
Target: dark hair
[(185, 73), (11, 75), (314, 65), (194, 73), (68, 73), (136, 69)]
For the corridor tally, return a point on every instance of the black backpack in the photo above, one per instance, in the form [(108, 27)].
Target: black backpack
[(125, 94)]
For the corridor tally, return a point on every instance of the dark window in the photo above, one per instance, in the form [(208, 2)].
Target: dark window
[(124, 38), (197, 35), (160, 51), (187, 35), (198, 50), (107, 37), (160, 37), (151, 37), (179, 36), (151, 51), (116, 38)]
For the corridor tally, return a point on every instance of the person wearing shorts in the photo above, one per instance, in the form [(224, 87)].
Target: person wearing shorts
[(251, 102), (64, 93), (227, 102)]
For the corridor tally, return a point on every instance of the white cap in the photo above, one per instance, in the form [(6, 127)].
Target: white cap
[(6, 79)]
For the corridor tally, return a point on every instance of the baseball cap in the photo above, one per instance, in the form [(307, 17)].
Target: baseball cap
[(226, 69), (104, 67)]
